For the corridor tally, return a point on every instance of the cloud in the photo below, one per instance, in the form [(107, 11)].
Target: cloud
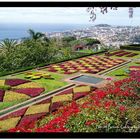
[(63, 15), (44, 14)]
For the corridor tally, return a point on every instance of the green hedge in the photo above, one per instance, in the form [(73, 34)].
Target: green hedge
[(45, 64), (131, 47)]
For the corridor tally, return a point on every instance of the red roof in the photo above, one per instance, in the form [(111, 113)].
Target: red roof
[(78, 46)]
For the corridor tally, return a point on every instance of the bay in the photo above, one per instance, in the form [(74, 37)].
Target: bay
[(18, 31)]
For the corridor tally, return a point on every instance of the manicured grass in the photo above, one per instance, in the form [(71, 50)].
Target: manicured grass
[(121, 71), (48, 84), (86, 51), (4, 105)]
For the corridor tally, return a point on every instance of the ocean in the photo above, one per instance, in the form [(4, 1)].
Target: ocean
[(18, 31)]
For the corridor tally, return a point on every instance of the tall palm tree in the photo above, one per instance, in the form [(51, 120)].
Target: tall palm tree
[(35, 35), (8, 45)]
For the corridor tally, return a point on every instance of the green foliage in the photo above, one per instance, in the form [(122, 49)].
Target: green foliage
[(35, 51), (69, 38), (85, 41), (131, 47), (35, 35), (5, 87), (30, 52), (91, 41), (8, 45)]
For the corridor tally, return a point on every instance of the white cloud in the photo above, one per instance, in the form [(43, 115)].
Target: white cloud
[(42, 14), (63, 15)]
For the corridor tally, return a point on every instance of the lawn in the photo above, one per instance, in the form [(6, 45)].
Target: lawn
[(121, 71), (4, 105), (29, 90), (86, 51)]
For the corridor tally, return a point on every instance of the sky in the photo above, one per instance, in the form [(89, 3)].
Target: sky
[(69, 15)]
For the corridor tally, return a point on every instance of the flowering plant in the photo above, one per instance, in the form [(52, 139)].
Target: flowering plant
[(114, 108)]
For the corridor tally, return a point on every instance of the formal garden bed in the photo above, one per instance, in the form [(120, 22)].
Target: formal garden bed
[(91, 64), (25, 116), (127, 54), (18, 90), (114, 108)]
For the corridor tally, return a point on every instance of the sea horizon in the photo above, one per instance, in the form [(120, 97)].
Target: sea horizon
[(19, 31)]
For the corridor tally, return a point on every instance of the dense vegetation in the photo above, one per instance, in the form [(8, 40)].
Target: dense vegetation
[(131, 47), (85, 41), (36, 50)]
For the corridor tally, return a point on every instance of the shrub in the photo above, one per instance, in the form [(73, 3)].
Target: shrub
[(131, 47)]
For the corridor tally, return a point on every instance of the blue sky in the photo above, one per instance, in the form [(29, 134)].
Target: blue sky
[(69, 15)]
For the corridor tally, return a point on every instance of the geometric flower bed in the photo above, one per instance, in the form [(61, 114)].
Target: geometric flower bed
[(114, 108), (122, 53), (91, 64), (37, 75), (134, 68), (19, 90), (37, 111)]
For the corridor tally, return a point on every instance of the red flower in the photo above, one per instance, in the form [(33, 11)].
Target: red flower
[(90, 122), (108, 78), (122, 108), (108, 104)]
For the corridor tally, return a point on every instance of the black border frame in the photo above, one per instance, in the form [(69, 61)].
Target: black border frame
[(68, 4)]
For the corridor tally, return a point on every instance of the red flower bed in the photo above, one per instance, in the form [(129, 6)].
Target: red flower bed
[(33, 92), (15, 82), (79, 95), (58, 124), (15, 114), (124, 53), (55, 106), (131, 55), (1, 95), (45, 101), (67, 91), (29, 120), (135, 75), (107, 109)]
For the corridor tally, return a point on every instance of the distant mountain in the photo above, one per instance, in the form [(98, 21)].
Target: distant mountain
[(102, 25)]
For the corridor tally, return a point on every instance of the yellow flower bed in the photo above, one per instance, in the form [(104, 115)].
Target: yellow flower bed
[(38, 109), (83, 70), (81, 89), (28, 85), (2, 82), (11, 96), (9, 123), (67, 97), (136, 69)]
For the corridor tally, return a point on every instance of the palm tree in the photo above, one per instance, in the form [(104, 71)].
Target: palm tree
[(35, 35), (8, 45)]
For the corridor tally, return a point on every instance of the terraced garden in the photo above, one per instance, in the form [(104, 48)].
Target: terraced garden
[(59, 111)]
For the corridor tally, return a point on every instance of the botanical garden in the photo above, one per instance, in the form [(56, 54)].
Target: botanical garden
[(35, 95)]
